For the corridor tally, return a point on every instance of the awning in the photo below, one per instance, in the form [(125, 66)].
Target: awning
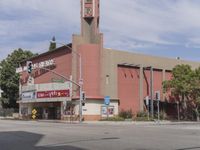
[(43, 100)]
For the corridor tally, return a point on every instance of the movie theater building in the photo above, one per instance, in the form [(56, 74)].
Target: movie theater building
[(122, 78)]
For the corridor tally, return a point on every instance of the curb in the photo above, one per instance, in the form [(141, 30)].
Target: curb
[(111, 122)]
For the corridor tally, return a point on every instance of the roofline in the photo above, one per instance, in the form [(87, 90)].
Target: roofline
[(149, 55), (48, 52)]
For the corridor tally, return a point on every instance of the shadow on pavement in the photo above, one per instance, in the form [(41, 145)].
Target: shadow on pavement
[(19, 140), (189, 148)]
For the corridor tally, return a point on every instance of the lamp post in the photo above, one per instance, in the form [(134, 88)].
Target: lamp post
[(178, 110), (80, 78), (0, 87), (1, 91)]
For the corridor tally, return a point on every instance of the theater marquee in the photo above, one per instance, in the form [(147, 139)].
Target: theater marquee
[(53, 94)]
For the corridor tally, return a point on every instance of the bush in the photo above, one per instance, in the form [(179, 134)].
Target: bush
[(8, 112), (142, 114), (116, 118), (163, 116), (126, 114), (143, 119)]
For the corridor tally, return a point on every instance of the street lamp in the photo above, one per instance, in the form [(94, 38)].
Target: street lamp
[(80, 78), (0, 87)]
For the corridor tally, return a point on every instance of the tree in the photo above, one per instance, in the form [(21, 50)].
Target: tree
[(185, 86), (195, 92), (52, 45), (9, 79)]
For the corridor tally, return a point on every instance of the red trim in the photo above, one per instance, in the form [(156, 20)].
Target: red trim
[(53, 94)]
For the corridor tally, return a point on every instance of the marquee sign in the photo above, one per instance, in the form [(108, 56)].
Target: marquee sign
[(28, 95), (53, 94)]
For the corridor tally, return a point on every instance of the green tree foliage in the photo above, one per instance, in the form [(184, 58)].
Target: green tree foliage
[(52, 45), (185, 87), (195, 92), (9, 79)]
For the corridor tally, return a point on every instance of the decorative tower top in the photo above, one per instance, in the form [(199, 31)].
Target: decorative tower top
[(89, 19)]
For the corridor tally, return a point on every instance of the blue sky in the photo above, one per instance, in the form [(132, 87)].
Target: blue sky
[(168, 28)]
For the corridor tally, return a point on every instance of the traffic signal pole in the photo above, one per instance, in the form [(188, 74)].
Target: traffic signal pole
[(77, 84)]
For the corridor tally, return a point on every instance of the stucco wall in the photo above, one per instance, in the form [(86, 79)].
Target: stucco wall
[(128, 91), (93, 107), (90, 54), (63, 65), (116, 86), (111, 58)]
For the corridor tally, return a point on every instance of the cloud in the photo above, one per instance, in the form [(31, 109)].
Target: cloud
[(152, 20), (27, 24), (135, 25)]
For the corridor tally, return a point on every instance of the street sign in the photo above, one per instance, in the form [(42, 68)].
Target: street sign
[(33, 116), (58, 80), (34, 112), (107, 100)]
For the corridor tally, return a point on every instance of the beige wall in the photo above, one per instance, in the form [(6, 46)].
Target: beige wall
[(93, 107), (111, 58)]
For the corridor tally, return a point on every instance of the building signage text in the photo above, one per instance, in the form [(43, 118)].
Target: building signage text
[(28, 95), (53, 94), (42, 64)]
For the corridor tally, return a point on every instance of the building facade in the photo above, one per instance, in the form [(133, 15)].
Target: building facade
[(124, 79)]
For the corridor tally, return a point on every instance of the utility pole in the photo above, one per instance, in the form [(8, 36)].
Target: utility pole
[(147, 103), (151, 91), (158, 104), (178, 110)]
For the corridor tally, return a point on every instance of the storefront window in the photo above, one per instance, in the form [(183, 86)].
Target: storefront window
[(70, 110), (24, 111), (88, 11)]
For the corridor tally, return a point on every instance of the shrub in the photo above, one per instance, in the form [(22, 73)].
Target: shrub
[(142, 114), (163, 115), (126, 114), (6, 112), (116, 118)]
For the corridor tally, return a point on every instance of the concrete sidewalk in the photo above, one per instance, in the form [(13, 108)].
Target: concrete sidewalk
[(141, 122), (165, 122)]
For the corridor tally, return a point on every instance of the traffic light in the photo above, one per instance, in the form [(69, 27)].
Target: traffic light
[(29, 66), (157, 95), (83, 98)]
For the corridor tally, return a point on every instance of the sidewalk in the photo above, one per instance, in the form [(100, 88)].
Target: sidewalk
[(165, 122)]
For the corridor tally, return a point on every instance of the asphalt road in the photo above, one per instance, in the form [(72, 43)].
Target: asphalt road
[(33, 135)]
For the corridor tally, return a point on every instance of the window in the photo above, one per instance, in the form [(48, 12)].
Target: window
[(88, 1), (88, 11)]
